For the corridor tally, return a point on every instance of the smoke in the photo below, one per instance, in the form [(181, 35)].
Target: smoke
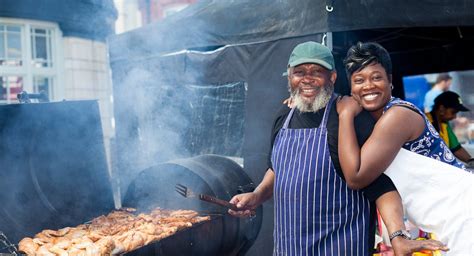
[(54, 172), (164, 114)]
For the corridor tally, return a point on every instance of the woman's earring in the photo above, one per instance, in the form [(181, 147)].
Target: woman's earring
[(391, 86)]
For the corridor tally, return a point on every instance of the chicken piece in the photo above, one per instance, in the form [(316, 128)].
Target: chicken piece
[(101, 220), (166, 231), (45, 237), (180, 224), (145, 217), (63, 231), (132, 240), (96, 235), (151, 238), (62, 242), (119, 215), (184, 213), (82, 227), (47, 233), (54, 233), (58, 251), (105, 245), (28, 246), (39, 242), (81, 243), (125, 240), (120, 229), (76, 233), (92, 249), (198, 219), (76, 252), (119, 247), (148, 228), (44, 250), (128, 209)]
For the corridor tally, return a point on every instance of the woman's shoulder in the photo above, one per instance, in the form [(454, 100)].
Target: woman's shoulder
[(394, 101), (403, 117), (397, 102)]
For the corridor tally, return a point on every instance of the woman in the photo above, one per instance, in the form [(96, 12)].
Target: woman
[(436, 191)]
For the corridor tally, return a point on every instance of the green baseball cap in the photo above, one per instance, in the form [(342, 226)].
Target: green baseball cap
[(311, 52)]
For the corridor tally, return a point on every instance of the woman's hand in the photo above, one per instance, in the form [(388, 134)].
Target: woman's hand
[(347, 106), (289, 102), (405, 247)]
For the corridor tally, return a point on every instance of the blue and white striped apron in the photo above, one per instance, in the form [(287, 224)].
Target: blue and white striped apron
[(315, 212)]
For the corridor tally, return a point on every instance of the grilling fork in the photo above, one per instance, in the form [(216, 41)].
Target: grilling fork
[(188, 193)]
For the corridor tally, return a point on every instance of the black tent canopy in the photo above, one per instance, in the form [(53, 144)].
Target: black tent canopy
[(216, 23), (246, 44), (413, 31)]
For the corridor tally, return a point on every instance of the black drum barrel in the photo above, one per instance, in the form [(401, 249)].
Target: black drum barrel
[(205, 174)]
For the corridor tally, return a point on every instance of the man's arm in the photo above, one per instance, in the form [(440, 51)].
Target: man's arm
[(264, 190), (248, 202), (456, 147), (462, 155)]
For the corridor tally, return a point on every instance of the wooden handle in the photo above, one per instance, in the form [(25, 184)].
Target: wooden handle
[(217, 201)]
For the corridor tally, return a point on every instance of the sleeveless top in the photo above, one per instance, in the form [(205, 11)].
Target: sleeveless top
[(429, 143)]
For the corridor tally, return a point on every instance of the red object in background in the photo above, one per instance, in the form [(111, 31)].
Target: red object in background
[(154, 10), (14, 91), (15, 88), (385, 250)]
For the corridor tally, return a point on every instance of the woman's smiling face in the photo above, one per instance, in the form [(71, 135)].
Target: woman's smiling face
[(371, 88)]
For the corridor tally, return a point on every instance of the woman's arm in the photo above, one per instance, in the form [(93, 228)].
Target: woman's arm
[(363, 165), (391, 210)]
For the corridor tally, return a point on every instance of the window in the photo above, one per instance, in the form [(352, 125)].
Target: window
[(10, 45), (41, 47), (29, 58)]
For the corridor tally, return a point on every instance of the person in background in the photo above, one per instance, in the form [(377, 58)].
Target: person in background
[(442, 84), (315, 212), (446, 106)]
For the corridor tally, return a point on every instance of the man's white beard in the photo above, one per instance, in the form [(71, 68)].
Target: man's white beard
[(320, 100)]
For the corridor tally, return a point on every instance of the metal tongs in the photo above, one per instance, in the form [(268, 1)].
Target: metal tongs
[(188, 193)]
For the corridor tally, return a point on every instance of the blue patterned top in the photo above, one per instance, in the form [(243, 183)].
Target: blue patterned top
[(429, 143)]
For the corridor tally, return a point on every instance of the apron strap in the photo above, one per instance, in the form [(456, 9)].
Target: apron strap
[(327, 111), (288, 118)]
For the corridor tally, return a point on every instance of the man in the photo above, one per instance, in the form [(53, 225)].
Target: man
[(446, 106), (442, 84), (315, 212)]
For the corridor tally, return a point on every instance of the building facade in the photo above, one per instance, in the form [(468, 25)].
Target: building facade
[(58, 48)]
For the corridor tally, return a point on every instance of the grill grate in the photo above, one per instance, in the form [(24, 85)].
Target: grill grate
[(7, 246)]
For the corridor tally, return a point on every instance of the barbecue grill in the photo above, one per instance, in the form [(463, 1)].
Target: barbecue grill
[(54, 174), (209, 174)]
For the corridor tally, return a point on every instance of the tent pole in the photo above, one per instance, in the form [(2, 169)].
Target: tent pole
[(329, 42)]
